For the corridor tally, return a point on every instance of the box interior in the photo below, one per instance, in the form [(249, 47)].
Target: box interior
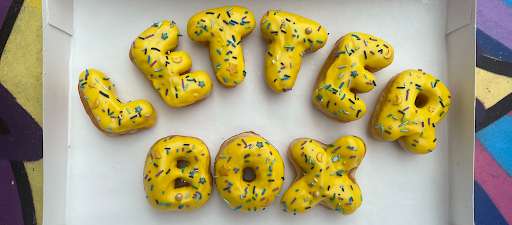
[(94, 179)]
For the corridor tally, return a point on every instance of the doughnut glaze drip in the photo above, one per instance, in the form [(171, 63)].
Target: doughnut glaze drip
[(346, 72), (223, 29), (162, 171), (166, 71), (249, 152), (107, 112), (409, 108), (291, 36), (325, 175)]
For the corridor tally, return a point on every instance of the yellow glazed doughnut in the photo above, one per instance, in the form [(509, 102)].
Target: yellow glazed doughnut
[(290, 37), (325, 174), (409, 107), (248, 150), (168, 72), (177, 174), (107, 112), (223, 29), (346, 72)]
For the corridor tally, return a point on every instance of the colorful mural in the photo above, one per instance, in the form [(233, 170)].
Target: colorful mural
[(493, 144), (21, 117)]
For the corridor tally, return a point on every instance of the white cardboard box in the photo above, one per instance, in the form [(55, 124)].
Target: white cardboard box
[(93, 179)]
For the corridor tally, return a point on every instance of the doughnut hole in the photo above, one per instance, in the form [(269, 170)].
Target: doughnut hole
[(181, 164), (421, 100), (179, 183), (249, 174)]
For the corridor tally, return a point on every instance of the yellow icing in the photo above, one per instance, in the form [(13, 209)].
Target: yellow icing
[(224, 39), (291, 37), (161, 172), (127, 116), (348, 75), (169, 74), (268, 167), (325, 174), (413, 124)]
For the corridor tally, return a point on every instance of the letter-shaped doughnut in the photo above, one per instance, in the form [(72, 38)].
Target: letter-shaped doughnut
[(325, 174), (177, 174), (107, 112), (223, 29), (409, 107), (290, 37), (248, 150), (346, 72), (168, 72)]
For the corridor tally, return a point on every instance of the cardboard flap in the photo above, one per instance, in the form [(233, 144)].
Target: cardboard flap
[(60, 14), (458, 14)]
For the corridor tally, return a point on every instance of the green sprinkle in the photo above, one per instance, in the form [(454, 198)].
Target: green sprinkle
[(128, 110), (247, 27)]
